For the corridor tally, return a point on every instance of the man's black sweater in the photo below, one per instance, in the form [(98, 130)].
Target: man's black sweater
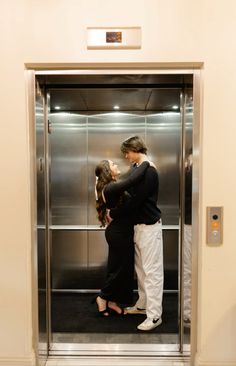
[(143, 204)]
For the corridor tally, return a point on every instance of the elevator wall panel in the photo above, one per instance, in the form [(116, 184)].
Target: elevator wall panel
[(163, 138), (97, 250), (76, 265), (69, 255), (69, 179)]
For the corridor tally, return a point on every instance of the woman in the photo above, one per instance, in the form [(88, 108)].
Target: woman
[(118, 288)]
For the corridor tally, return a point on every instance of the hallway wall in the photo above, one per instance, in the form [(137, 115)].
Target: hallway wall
[(33, 31)]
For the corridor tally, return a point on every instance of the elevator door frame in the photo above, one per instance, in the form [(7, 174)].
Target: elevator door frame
[(135, 69)]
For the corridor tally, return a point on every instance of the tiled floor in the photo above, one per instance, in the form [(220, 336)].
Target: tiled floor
[(99, 361)]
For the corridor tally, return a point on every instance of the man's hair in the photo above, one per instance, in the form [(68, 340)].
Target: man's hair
[(134, 143)]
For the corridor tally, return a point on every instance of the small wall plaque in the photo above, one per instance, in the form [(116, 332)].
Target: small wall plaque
[(105, 38), (113, 37)]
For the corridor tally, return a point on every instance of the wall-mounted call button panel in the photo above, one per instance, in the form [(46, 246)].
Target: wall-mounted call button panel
[(214, 225)]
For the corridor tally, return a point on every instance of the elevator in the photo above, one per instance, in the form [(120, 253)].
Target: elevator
[(80, 119)]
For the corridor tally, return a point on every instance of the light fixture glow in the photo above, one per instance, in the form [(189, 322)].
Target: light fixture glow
[(175, 107), (57, 107), (116, 107)]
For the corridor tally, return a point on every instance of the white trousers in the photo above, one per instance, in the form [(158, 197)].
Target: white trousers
[(187, 249), (149, 268)]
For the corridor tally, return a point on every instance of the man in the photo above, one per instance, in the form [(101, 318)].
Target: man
[(147, 237)]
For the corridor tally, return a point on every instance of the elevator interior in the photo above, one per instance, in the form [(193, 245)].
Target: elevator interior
[(80, 120)]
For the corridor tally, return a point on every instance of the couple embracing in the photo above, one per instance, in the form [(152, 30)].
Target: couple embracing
[(128, 209)]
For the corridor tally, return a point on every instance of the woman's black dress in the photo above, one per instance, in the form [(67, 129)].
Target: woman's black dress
[(119, 235)]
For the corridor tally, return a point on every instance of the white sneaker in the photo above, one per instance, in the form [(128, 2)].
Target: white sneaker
[(135, 310), (149, 324)]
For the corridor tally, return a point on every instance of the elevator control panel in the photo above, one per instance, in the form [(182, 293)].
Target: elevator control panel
[(214, 225)]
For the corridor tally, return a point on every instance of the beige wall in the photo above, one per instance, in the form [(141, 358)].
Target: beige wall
[(54, 31)]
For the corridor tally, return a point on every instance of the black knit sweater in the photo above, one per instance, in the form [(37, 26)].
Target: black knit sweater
[(143, 205)]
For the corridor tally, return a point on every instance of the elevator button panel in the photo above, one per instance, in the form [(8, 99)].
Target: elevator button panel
[(214, 225)]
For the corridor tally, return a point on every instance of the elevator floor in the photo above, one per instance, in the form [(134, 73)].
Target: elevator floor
[(74, 313)]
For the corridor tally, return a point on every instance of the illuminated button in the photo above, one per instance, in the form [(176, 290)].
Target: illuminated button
[(215, 225)]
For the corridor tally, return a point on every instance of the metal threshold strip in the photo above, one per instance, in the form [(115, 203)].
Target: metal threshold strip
[(93, 227), (101, 349)]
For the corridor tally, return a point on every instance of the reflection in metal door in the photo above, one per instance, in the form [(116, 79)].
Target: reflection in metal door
[(78, 141)]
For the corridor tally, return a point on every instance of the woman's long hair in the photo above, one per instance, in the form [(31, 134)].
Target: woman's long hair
[(103, 174)]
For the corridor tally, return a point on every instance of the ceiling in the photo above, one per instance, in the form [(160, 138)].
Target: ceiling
[(100, 93)]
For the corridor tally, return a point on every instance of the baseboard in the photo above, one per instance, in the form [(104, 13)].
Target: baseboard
[(200, 362), (17, 361), (127, 361), (216, 363)]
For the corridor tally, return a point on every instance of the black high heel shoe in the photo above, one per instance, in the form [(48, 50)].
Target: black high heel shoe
[(117, 310), (104, 312)]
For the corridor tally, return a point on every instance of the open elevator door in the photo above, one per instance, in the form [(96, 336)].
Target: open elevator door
[(42, 250), (77, 136)]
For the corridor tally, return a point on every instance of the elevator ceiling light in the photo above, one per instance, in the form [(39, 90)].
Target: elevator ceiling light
[(175, 107), (116, 107), (57, 107)]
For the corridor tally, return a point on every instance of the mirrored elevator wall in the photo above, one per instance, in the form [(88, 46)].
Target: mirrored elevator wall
[(76, 145)]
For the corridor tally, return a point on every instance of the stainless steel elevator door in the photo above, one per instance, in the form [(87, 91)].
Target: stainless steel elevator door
[(186, 267), (41, 230), (77, 144)]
